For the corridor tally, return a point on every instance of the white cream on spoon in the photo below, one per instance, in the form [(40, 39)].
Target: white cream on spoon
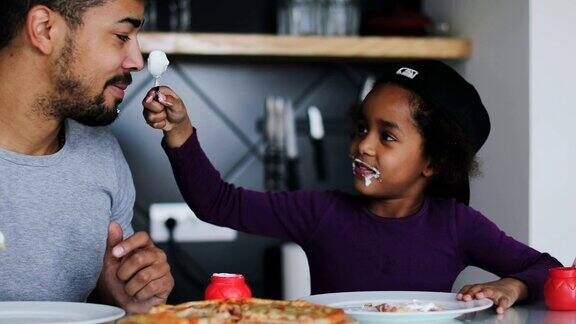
[(157, 65)]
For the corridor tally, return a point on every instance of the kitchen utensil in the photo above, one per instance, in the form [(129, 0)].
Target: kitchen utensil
[(317, 136), (292, 181)]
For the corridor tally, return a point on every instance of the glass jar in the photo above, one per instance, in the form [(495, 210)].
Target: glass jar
[(226, 285), (151, 16), (341, 17), (177, 18), (560, 289), (300, 17), (319, 17)]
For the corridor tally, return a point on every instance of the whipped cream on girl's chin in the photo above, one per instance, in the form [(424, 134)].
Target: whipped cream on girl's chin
[(370, 177)]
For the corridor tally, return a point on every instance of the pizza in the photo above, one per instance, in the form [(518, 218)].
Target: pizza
[(251, 310)]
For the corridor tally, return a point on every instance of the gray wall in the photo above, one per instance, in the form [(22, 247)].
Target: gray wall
[(499, 68), (552, 149)]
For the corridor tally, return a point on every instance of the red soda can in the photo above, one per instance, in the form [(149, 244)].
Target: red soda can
[(227, 285)]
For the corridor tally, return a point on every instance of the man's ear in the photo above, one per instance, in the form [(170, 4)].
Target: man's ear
[(44, 28)]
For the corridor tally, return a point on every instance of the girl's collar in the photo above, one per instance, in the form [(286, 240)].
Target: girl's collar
[(421, 211)]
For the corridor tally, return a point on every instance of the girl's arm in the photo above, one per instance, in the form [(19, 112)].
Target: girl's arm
[(286, 215), (483, 244)]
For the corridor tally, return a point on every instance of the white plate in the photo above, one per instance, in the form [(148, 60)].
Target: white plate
[(57, 312), (451, 308)]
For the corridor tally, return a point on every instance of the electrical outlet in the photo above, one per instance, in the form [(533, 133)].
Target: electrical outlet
[(188, 227)]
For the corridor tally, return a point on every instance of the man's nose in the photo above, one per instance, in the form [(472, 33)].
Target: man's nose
[(134, 61)]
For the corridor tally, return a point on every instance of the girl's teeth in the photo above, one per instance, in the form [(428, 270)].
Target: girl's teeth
[(369, 173)]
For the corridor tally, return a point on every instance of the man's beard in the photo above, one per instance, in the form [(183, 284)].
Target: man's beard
[(70, 98)]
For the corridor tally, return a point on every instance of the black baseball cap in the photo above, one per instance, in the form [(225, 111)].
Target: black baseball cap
[(443, 88)]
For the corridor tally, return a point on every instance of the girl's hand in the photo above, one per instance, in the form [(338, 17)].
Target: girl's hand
[(164, 110), (504, 292)]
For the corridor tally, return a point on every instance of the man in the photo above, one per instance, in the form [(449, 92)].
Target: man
[(66, 192)]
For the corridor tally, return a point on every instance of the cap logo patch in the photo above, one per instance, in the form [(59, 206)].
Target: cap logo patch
[(407, 72)]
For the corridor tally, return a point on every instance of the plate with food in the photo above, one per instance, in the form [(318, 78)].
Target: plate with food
[(250, 310), (43, 312), (400, 306)]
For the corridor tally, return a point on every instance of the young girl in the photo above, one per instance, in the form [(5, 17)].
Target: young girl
[(410, 228)]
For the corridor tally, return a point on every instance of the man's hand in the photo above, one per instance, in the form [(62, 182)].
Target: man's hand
[(164, 110), (135, 273), (504, 292)]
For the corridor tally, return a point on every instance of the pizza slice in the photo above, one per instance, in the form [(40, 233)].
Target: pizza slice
[(229, 311), (298, 311), (199, 312)]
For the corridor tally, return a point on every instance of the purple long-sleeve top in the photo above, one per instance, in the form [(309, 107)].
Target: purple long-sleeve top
[(351, 249)]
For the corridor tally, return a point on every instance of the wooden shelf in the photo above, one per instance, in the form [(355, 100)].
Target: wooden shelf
[(370, 48)]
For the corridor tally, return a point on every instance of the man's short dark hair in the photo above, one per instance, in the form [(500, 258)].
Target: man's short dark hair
[(13, 14)]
